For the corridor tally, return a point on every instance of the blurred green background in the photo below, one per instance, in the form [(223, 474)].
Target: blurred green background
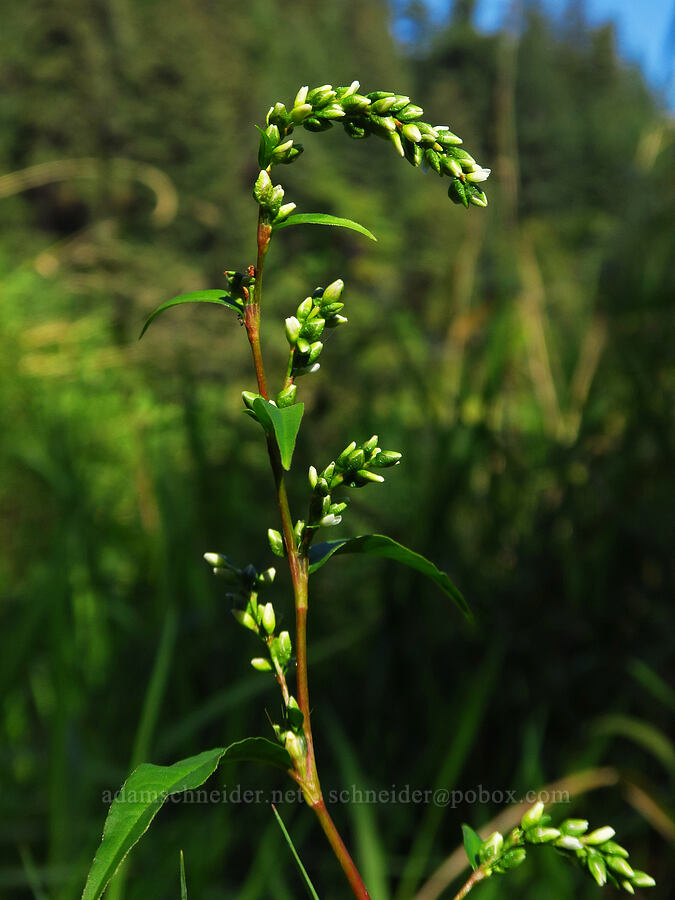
[(518, 355)]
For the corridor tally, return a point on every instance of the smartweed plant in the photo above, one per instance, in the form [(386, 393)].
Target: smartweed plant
[(278, 411)]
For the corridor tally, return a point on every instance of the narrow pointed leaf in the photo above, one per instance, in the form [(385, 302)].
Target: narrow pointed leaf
[(283, 423), (258, 749), (142, 796), (472, 844), (183, 885), (222, 298), (147, 788), (386, 547), (324, 219), (303, 871)]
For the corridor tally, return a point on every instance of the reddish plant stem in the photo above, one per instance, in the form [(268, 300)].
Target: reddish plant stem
[(299, 568), (476, 876)]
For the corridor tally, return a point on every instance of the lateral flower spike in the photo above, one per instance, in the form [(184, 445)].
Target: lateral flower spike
[(385, 114)]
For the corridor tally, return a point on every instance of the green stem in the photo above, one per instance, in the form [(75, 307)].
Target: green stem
[(307, 777)]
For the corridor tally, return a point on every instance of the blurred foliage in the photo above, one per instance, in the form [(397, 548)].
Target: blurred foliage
[(519, 357)]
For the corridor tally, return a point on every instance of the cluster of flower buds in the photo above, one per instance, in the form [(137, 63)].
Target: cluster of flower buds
[(255, 616), (303, 330), (352, 468), (270, 198), (383, 113), (596, 851), (291, 734)]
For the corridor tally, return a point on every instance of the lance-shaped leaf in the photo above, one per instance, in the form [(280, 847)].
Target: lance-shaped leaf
[(386, 547), (222, 298), (323, 219), (472, 844), (283, 423), (145, 791)]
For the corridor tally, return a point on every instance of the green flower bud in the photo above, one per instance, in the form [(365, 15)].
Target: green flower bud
[(298, 531), (218, 561), (512, 859), (342, 458), (313, 477), (567, 842), (386, 458), (293, 329), (619, 865), (479, 199), (541, 835), (331, 112), (433, 159), (268, 620), (411, 132), (574, 826), (465, 159), (278, 115), (287, 396), (262, 189), (451, 166), (614, 849), (355, 459), (367, 475), (268, 576), (285, 648), (302, 345), (301, 96), (333, 292), (383, 105), (329, 471), (456, 192), (445, 137), (276, 542), (628, 887), (329, 309), (334, 321), (413, 153), (491, 847), (410, 113), (395, 138), (296, 746), (276, 197), (379, 95), (305, 308), (400, 102), (352, 89), (597, 868), (272, 132), (337, 508), (294, 715), (284, 212), (355, 103), (245, 619), (312, 329), (384, 124), (532, 816), (261, 665), (314, 352), (321, 96), (369, 445), (599, 836), (641, 879)]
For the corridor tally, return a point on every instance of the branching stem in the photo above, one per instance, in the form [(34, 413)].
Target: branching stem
[(306, 774)]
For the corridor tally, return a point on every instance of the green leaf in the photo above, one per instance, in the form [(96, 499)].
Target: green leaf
[(145, 791), (283, 423), (323, 219), (265, 149), (261, 750), (222, 298), (137, 804), (386, 547), (183, 885), (472, 844), (303, 871)]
